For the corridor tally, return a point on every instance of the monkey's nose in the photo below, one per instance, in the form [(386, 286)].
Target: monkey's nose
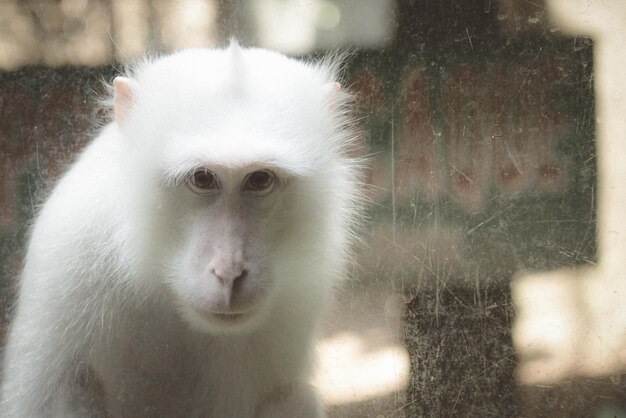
[(230, 277)]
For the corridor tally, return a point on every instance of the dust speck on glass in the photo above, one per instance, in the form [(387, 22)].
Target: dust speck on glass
[(490, 278)]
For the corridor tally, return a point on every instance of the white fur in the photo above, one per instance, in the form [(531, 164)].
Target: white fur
[(118, 275)]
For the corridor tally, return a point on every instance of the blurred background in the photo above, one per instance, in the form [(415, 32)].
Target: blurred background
[(491, 282)]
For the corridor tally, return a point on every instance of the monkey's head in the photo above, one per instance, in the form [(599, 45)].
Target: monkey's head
[(246, 188)]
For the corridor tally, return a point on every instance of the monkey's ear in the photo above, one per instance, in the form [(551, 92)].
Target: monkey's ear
[(123, 97), (330, 91)]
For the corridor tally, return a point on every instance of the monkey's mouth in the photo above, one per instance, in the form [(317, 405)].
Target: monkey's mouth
[(225, 317), (228, 317)]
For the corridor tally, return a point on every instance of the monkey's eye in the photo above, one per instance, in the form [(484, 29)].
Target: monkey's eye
[(260, 182), (203, 181)]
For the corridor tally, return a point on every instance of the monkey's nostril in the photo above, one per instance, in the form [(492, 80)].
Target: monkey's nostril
[(239, 280)]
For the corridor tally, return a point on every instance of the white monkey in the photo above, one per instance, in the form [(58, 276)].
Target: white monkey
[(185, 257)]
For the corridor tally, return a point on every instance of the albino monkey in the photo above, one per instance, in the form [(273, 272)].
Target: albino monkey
[(183, 261)]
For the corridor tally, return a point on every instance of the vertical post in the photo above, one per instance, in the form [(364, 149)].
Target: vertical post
[(577, 316)]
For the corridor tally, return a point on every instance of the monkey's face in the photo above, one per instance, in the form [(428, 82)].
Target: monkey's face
[(234, 168), (222, 273)]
